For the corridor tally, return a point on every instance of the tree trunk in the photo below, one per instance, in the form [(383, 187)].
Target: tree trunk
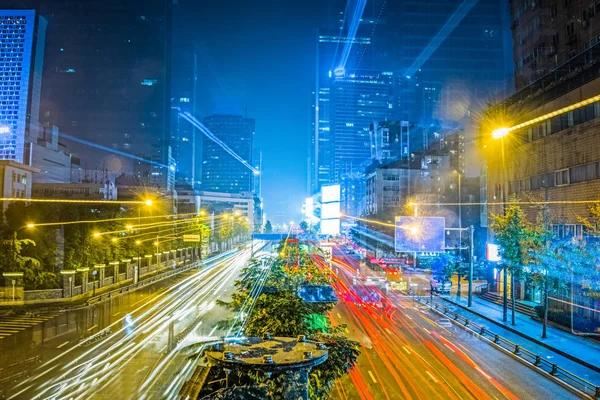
[(505, 295), (512, 295), (545, 324), (458, 285)]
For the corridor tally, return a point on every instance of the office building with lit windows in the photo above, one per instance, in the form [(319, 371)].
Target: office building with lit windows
[(221, 171), (106, 79), (22, 37)]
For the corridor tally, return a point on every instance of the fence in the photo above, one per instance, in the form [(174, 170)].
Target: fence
[(545, 366)]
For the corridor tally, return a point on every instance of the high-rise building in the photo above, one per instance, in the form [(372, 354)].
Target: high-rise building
[(221, 171), (257, 180), (356, 101), (107, 78), (22, 38), (547, 35), (449, 41)]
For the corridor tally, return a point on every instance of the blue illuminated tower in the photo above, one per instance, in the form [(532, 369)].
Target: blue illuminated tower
[(221, 172), (22, 37)]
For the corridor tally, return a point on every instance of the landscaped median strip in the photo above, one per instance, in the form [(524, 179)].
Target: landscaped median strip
[(540, 364)]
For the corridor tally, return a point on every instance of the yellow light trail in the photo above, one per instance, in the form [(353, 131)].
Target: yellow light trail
[(72, 201), (369, 220), (91, 221), (555, 113)]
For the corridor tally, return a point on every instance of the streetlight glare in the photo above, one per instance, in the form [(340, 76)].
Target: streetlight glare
[(413, 230), (500, 133), (113, 240), (156, 243), (148, 202), (30, 225), (96, 234), (129, 226), (138, 242), (202, 213)]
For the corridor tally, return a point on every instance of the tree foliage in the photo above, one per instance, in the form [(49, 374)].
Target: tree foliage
[(268, 227), (517, 237), (279, 311)]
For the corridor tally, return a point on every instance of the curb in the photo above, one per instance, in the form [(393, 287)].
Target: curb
[(531, 339)]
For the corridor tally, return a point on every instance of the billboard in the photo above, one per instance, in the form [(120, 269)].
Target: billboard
[(330, 210), (330, 227), (492, 252), (330, 194), (420, 234)]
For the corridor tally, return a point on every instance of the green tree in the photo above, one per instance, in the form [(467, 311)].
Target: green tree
[(268, 227), (279, 311), (517, 238), (304, 226)]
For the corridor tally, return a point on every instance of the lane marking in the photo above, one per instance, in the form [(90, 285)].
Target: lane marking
[(347, 331), (426, 330), (62, 345), (408, 316), (339, 316), (432, 377), (95, 326), (115, 314), (387, 330), (372, 377), (406, 349)]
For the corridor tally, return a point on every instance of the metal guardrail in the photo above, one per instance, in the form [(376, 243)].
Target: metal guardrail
[(570, 379), (133, 286)]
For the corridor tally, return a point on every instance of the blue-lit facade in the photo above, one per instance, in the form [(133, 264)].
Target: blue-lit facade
[(22, 36), (221, 172)]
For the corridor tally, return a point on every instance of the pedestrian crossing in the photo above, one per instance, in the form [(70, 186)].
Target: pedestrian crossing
[(10, 325)]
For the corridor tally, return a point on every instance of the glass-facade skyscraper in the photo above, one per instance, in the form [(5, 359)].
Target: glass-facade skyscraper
[(221, 172), (107, 79), (22, 37)]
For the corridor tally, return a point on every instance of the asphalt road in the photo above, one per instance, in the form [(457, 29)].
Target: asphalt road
[(406, 354), (137, 359)]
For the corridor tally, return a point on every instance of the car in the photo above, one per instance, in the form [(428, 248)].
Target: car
[(444, 323)]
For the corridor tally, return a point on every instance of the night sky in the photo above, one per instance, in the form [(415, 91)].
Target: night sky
[(260, 55)]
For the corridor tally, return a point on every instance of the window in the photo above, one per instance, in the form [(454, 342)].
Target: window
[(561, 177), (578, 174), (570, 29)]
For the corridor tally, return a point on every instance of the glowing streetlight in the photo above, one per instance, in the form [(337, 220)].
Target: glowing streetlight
[(96, 235), (156, 244), (202, 213), (138, 242), (113, 240), (413, 230), (148, 202), (500, 133), (129, 226), (30, 225)]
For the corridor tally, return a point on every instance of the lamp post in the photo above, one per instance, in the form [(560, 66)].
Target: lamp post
[(500, 133), (202, 214), (139, 260)]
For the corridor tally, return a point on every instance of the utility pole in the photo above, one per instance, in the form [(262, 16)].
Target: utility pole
[(471, 252), (546, 301)]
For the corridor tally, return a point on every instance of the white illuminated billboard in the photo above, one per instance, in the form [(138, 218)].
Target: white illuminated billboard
[(330, 194), (330, 227), (420, 234), (330, 210), (492, 252)]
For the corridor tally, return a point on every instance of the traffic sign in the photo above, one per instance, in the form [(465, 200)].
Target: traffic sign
[(191, 238)]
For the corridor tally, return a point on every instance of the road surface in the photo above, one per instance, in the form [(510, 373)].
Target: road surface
[(407, 354), (141, 357)]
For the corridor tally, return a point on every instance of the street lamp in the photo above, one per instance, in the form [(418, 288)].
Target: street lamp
[(139, 260), (501, 133)]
